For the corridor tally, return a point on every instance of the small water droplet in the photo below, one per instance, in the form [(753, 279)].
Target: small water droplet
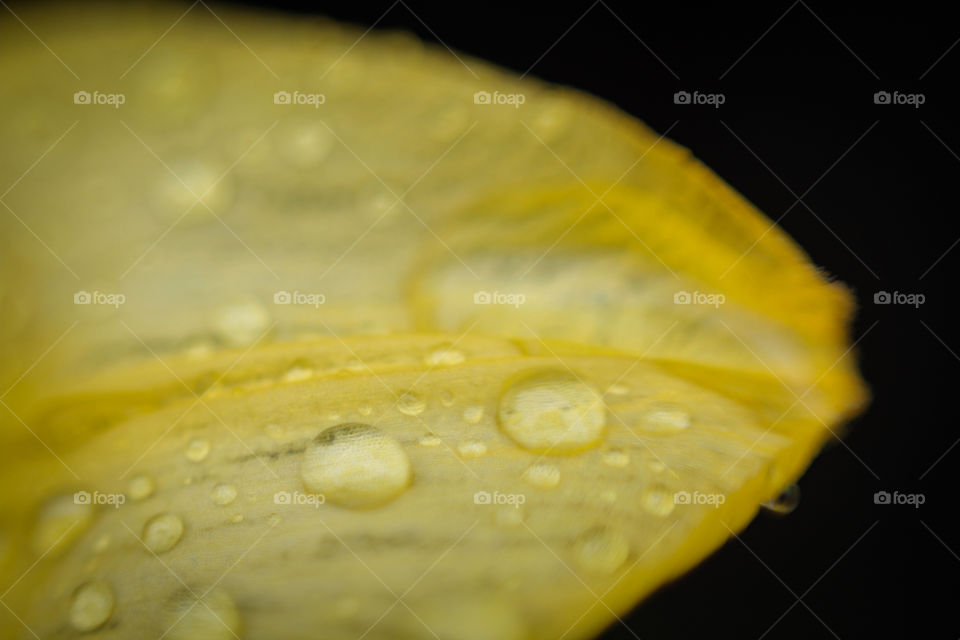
[(102, 543), (786, 502), (446, 399), (91, 606), (141, 487), (618, 390), (657, 500), (237, 518), (473, 414), (411, 404), (472, 449), (665, 417), (545, 476), (274, 431), (608, 495), (616, 458), (162, 532), (298, 373), (508, 516), (602, 550), (223, 494), (241, 324), (356, 465), (430, 441), (214, 616), (656, 466), (60, 521), (198, 450), (444, 356), (365, 410), (304, 144), (552, 412), (274, 519)]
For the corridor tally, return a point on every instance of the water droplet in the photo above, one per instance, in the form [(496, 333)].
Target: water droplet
[(305, 144), (508, 516), (91, 606), (472, 449), (214, 616), (237, 518), (473, 414), (544, 476), (618, 390), (198, 450), (194, 186), (602, 550), (665, 417), (102, 543), (141, 487), (298, 373), (616, 458), (466, 616), (223, 494), (447, 399), (657, 500), (365, 410), (274, 431), (430, 441), (60, 521), (274, 519), (444, 356), (786, 502), (608, 495), (410, 404), (356, 465), (656, 466), (552, 412), (241, 324), (162, 532)]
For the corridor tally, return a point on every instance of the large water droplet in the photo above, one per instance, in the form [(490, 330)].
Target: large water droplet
[(786, 502), (410, 404), (91, 606), (162, 532), (60, 521), (356, 465), (212, 616), (602, 550), (552, 412)]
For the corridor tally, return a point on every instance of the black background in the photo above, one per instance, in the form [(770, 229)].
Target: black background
[(879, 213)]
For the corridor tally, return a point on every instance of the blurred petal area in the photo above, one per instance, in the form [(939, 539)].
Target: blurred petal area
[(311, 330)]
